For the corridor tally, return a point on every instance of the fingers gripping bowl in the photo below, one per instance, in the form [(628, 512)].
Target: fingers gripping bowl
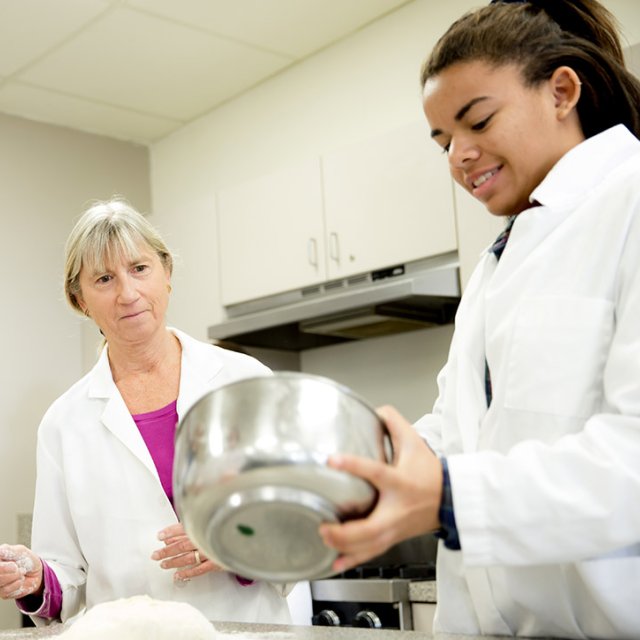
[(251, 484)]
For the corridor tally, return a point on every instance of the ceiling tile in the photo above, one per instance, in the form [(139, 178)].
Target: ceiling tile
[(29, 28), (138, 69), (292, 27), (133, 60), (45, 106)]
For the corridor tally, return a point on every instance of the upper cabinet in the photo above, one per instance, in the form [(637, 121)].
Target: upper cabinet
[(271, 234), (388, 200), (384, 201)]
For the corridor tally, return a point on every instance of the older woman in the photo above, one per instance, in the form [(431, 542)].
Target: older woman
[(104, 525)]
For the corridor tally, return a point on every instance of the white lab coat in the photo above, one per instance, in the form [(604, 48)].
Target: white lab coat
[(99, 503), (546, 483)]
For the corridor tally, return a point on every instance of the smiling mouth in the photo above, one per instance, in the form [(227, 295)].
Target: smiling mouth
[(484, 177)]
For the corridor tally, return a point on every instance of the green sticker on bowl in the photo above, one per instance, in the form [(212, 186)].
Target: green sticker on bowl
[(245, 530)]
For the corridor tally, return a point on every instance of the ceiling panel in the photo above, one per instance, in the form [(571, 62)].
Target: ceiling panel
[(292, 27), (29, 28), (141, 62), (139, 69), (46, 106)]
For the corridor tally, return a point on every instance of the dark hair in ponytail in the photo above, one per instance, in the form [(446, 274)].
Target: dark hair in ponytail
[(540, 36)]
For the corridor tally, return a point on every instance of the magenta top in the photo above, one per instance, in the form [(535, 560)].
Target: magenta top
[(158, 430)]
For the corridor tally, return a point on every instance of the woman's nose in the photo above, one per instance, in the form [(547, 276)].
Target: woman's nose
[(461, 152), (127, 291)]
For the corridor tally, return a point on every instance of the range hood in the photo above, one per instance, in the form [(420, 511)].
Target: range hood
[(396, 299)]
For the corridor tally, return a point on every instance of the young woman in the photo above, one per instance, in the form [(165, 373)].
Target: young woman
[(531, 475)]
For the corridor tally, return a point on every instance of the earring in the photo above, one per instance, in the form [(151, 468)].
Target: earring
[(169, 288)]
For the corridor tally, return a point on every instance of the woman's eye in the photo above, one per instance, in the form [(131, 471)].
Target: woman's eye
[(103, 279), (139, 268), (482, 124)]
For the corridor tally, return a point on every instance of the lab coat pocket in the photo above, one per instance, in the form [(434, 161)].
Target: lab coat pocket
[(557, 356)]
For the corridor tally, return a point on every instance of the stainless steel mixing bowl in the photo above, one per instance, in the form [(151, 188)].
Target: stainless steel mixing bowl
[(251, 484)]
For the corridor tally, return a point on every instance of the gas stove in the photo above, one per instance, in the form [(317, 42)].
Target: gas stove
[(373, 596)]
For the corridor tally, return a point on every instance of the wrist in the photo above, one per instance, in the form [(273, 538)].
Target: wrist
[(448, 530)]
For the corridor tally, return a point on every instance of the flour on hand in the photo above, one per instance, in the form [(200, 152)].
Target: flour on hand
[(23, 560), (141, 617)]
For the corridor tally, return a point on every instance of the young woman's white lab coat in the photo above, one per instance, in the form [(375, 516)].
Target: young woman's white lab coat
[(546, 483), (99, 503)]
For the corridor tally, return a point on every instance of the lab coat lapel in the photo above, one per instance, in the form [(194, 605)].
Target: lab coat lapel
[(471, 406), (116, 417), (199, 368)]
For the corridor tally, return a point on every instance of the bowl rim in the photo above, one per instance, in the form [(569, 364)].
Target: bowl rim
[(285, 375)]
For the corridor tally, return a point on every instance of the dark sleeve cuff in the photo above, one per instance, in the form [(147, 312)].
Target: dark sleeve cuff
[(48, 604), (448, 531)]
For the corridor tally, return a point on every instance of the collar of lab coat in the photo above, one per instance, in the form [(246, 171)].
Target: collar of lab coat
[(199, 366), (583, 168)]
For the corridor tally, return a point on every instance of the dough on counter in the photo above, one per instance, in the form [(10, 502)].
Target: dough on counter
[(141, 618)]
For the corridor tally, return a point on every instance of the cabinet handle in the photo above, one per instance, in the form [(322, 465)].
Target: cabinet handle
[(334, 247), (312, 252)]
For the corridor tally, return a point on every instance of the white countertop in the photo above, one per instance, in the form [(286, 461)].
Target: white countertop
[(238, 631), (423, 591), (231, 631)]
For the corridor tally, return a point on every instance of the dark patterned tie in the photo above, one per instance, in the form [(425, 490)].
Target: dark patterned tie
[(501, 241), (496, 248)]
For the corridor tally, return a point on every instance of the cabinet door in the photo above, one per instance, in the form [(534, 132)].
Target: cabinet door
[(423, 614), (476, 228), (388, 200), (270, 234)]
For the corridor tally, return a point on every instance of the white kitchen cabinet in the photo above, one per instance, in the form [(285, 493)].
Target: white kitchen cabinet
[(381, 202), (422, 614), (388, 200), (423, 596), (476, 230), (271, 233)]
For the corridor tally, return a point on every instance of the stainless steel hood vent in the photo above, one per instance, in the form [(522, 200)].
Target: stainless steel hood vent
[(400, 298)]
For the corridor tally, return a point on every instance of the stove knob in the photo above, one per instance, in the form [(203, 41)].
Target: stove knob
[(326, 618), (367, 619)]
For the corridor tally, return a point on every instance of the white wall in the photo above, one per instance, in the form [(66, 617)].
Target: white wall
[(398, 370), (47, 176), (360, 86)]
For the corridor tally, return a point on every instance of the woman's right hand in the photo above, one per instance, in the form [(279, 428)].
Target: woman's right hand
[(21, 572), (409, 496), (183, 555)]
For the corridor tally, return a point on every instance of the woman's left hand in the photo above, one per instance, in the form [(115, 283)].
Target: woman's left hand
[(181, 554), (409, 495)]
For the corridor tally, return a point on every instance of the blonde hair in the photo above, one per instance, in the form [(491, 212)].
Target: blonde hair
[(105, 230)]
